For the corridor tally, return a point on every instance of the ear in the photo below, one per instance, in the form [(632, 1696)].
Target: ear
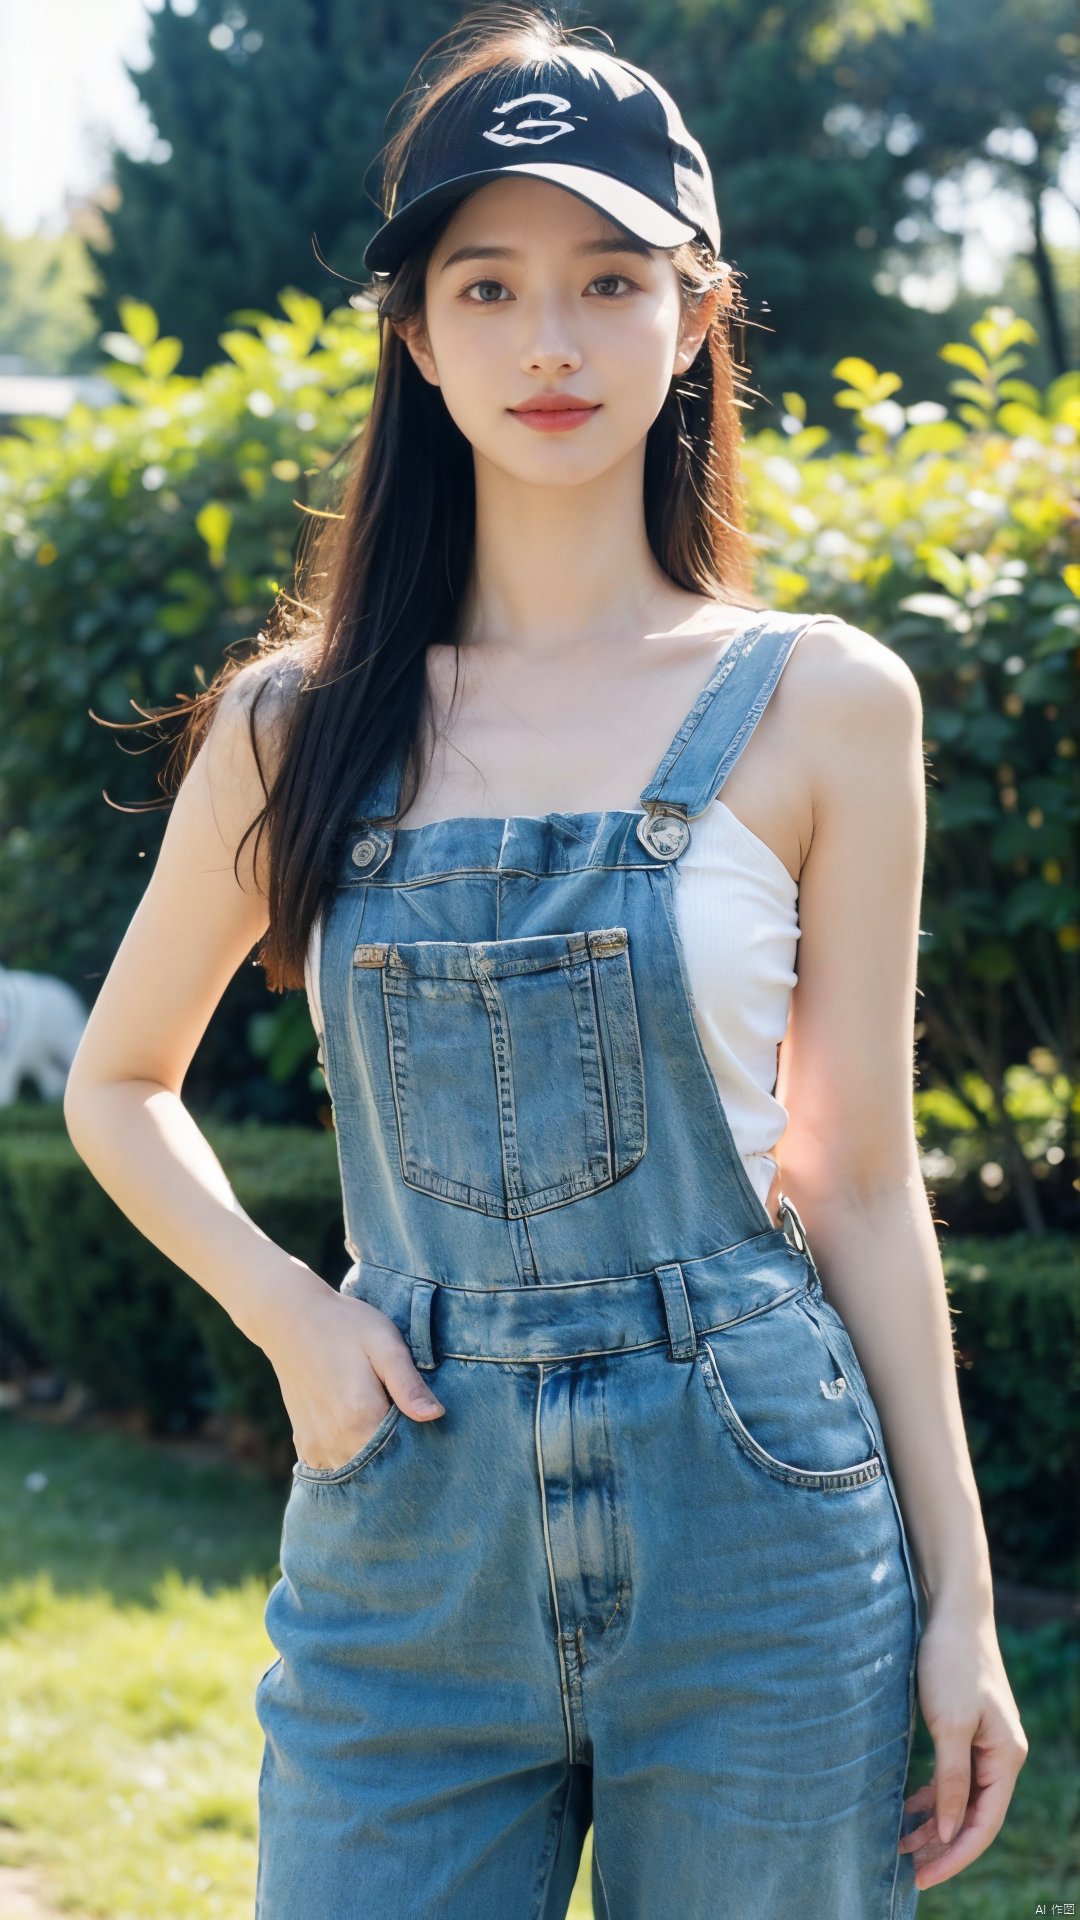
[(415, 339), (697, 318)]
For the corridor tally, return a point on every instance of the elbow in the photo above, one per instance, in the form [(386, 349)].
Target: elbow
[(78, 1103), (72, 1111), (91, 1101)]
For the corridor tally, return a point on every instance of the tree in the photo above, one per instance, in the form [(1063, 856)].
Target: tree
[(271, 113), (993, 84)]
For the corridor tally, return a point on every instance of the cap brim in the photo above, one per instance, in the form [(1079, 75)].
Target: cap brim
[(625, 205)]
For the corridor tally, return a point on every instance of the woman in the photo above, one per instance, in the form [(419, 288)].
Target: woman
[(640, 1558)]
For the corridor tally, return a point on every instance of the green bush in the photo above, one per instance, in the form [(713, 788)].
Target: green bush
[(956, 540), (23, 1119), (92, 1291), (963, 1150), (107, 1309), (1016, 1307), (145, 540)]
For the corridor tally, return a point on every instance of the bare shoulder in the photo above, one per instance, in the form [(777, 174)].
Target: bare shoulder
[(264, 691), (253, 713), (836, 662), (860, 745), (852, 690), (225, 788)]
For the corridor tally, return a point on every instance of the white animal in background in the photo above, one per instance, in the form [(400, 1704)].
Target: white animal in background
[(41, 1023)]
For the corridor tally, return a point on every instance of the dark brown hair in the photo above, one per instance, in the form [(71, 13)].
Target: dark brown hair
[(384, 576)]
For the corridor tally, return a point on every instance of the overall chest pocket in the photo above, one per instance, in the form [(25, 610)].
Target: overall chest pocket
[(516, 1066)]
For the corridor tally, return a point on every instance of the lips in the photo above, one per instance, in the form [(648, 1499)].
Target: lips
[(555, 403)]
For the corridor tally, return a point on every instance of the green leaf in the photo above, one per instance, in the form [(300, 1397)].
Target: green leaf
[(945, 567), (858, 373), (139, 320), (248, 352), (303, 310), (214, 523), (959, 354), (162, 357)]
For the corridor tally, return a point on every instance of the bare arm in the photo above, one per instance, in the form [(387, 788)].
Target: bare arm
[(849, 1152), (850, 1161), (193, 928), (191, 931)]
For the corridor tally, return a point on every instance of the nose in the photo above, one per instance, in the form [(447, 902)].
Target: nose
[(549, 342)]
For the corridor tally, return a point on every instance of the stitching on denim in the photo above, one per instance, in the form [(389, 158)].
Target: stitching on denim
[(844, 1479), (592, 1353), (907, 1766), (692, 1335), (765, 692), (563, 1685), (553, 1286), (553, 1854), (600, 1877), (594, 1176), (360, 1457), (741, 643)]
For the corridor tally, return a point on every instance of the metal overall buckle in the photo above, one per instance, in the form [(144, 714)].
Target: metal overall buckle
[(664, 830), (791, 1212), (798, 1239), (371, 846)]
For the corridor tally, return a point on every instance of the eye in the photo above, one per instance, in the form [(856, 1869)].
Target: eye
[(475, 284), (616, 276), (481, 283)]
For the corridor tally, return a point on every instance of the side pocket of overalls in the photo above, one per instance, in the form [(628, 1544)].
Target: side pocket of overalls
[(841, 1345)]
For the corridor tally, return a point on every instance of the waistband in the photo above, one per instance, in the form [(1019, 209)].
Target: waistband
[(674, 1304)]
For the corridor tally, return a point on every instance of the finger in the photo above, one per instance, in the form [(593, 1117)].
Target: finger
[(917, 1837), (983, 1820), (921, 1797), (953, 1778), (920, 1801), (398, 1372), (390, 1358)]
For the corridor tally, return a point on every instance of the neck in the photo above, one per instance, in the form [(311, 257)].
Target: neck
[(560, 569)]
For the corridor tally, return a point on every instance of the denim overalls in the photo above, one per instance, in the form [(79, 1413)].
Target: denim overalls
[(648, 1570)]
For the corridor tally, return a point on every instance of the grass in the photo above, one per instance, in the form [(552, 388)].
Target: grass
[(132, 1583)]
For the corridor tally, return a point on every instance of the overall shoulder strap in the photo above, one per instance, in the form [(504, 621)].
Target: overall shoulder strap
[(383, 795), (721, 720)]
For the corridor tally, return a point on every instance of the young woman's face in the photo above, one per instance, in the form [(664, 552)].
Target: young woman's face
[(552, 298)]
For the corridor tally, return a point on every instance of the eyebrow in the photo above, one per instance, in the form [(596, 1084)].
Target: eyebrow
[(629, 245)]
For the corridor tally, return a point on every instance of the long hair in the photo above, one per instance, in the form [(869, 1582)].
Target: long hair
[(383, 577)]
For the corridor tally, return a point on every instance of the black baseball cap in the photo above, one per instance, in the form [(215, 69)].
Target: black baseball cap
[(592, 123)]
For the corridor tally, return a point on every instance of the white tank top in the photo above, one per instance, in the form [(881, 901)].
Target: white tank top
[(736, 907)]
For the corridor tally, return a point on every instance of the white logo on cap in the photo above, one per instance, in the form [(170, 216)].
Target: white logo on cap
[(532, 131)]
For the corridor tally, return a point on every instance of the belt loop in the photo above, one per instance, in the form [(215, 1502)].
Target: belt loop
[(423, 1292), (682, 1334)]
